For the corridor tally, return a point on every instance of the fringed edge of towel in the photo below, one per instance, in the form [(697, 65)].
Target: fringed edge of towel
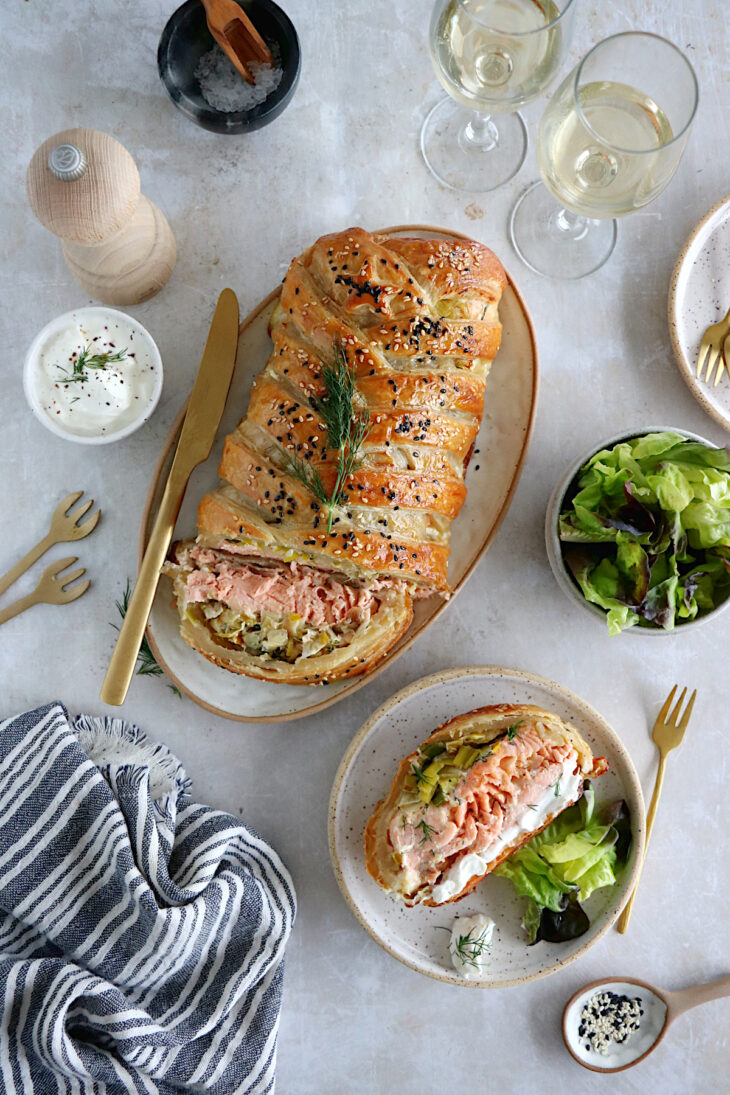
[(109, 741)]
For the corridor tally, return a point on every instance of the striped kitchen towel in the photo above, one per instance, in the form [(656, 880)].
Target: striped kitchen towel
[(141, 934)]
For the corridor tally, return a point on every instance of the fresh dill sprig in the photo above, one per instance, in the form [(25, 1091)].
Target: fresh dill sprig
[(87, 360), (512, 730), (347, 428), (426, 829), (557, 787), (419, 773), (470, 947), (531, 806), (310, 477), (146, 662)]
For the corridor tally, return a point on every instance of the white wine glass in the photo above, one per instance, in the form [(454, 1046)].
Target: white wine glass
[(492, 57), (610, 139)]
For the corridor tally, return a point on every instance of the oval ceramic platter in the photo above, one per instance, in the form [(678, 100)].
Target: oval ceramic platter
[(699, 295), (500, 451), (415, 936)]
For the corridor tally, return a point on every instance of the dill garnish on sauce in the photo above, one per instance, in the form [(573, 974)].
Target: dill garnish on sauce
[(87, 360), (471, 947), (347, 428)]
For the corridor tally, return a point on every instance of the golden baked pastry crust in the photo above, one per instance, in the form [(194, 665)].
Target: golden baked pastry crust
[(418, 323)]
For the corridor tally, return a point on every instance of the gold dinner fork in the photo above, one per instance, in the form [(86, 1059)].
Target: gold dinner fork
[(668, 734), (52, 588), (64, 528), (711, 350)]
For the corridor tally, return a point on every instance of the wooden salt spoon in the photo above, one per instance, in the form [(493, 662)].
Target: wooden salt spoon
[(661, 1008), (236, 35)]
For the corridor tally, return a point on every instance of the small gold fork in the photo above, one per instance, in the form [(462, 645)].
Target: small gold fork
[(64, 528), (52, 588), (711, 350), (668, 734)]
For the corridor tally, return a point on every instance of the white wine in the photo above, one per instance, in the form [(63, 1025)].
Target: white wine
[(610, 140), (618, 164), (496, 70)]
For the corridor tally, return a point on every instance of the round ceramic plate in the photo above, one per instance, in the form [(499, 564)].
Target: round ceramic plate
[(494, 472), (414, 936), (699, 295)]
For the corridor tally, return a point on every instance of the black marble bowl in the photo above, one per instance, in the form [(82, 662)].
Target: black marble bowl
[(186, 38)]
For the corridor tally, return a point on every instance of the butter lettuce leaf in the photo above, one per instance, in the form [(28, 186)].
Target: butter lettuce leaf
[(533, 877), (578, 853), (652, 518)]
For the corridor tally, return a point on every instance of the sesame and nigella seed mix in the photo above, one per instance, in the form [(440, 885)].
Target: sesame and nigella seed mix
[(609, 1018)]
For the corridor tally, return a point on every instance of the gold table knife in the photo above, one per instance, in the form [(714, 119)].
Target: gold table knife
[(203, 416)]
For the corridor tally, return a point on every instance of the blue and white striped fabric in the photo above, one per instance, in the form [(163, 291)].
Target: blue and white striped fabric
[(141, 934)]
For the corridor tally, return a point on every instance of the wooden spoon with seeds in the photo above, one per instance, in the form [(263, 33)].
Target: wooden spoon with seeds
[(659, 1010)]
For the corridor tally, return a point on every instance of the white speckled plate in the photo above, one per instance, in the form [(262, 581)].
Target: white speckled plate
[(699, 295), (413, 936), (494, 472)]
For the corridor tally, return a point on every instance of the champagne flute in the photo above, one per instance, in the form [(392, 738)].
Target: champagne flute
[(492, 57), (609, 141)]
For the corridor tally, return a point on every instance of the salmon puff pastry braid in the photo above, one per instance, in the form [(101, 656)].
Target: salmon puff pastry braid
[(473, 793), (341, 482)]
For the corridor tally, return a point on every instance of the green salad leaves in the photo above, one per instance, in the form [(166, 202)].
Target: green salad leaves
[(560, 867), (646, 530)]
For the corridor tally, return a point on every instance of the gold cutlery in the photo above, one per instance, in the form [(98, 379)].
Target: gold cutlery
[(52, 588), (64, 528), (711, 350), (667, 734), (204, 412)]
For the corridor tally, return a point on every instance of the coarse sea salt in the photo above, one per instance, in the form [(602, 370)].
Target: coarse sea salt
[(225, 90)]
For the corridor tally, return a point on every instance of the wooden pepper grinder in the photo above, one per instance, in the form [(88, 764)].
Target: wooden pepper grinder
[(84, 187)]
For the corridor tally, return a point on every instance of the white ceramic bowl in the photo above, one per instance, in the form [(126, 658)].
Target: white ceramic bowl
[(554, 548), (55, 327)]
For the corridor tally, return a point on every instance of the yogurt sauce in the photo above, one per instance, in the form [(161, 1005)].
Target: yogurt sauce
[(93, 402), (456, 878), (470, 944), (624, 1053)]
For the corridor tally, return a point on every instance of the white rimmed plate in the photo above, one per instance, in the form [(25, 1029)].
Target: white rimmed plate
[(415, 936), (699, 295), (495, 469)]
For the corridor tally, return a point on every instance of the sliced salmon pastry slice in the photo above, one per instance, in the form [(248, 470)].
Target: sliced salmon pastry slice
[(473, 793), (276, 617)]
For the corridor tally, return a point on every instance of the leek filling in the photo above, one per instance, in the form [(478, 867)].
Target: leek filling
[(439, 766), (273, 637)]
